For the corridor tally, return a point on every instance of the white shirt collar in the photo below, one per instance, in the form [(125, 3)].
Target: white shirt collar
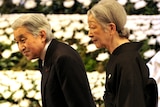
[(44, 51)]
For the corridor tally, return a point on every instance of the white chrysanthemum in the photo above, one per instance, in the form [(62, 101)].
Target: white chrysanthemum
[(85, 40), (9, 30), (59, 34), (3, 88), (140, 4), (152, 41), (102, 56), (68, 3), (55, 25), (67, 35), (91, 48), (140, 35), (149, 53), (18, 95), (4, 24), (29, 4), (46, 2), (122, 2), (6, 53), (6, 94), (1, 32), (65, 22), (79, 35), (31, 94), (5, 104), (74, 46), (4, 39), (37, 95), (27, 85), (16, 2), (14, 48), (14, 85), (86, 3), (134, 1), (1, 2), (158, 39), (24, 103)]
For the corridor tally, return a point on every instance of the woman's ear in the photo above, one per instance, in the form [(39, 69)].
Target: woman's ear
[(112, 26)]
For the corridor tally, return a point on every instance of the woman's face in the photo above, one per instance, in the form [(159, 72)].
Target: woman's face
[(98, 34), (29, 45)]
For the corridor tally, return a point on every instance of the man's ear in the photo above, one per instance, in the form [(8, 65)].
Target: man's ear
[(43, 35)]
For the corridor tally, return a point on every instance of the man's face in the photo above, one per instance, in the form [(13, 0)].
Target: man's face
[(29, 45)]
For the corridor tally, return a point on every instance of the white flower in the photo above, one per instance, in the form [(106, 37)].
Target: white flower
[(122, 2), (46, 2), (149, 53), (14, 48), (9, 30), (37, 95), (68, 3), (18, 95), (79, 35), (158, 39), (27, 85), (74, 46), (3, 88), (16, 2), (14, 85), (86, 3), (134, 1), (4, 24), (30, 4), (102, 56), (140, 35), (6, 53), (67, 35), (140, 4), (5, 104), (152, 41), (91, 48), (85, 40), (31, 94), (58, 34), (4, 39), (24, 103), (1, 2), (1, 32), (6, 94)]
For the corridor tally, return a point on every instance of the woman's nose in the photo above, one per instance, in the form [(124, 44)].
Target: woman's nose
[(90, 34)]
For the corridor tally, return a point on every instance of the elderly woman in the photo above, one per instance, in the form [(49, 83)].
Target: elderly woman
[(126, 72)]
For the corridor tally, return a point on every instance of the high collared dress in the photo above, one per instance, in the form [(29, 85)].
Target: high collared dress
[(126, 72)]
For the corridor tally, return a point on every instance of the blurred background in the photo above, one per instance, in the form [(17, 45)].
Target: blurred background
[(69, 24)]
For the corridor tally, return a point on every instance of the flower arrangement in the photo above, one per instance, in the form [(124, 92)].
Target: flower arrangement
[(22, 89)]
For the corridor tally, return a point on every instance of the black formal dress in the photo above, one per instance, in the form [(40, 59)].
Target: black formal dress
[(126, 72)]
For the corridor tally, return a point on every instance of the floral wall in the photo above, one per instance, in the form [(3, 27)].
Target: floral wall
[(23, 88), (19, 78), (73, 30)]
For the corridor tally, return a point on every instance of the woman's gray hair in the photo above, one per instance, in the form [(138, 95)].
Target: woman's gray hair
[(34, 23), (110, 11)]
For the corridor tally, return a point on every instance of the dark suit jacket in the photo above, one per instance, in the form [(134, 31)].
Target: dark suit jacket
[(64, 81)]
